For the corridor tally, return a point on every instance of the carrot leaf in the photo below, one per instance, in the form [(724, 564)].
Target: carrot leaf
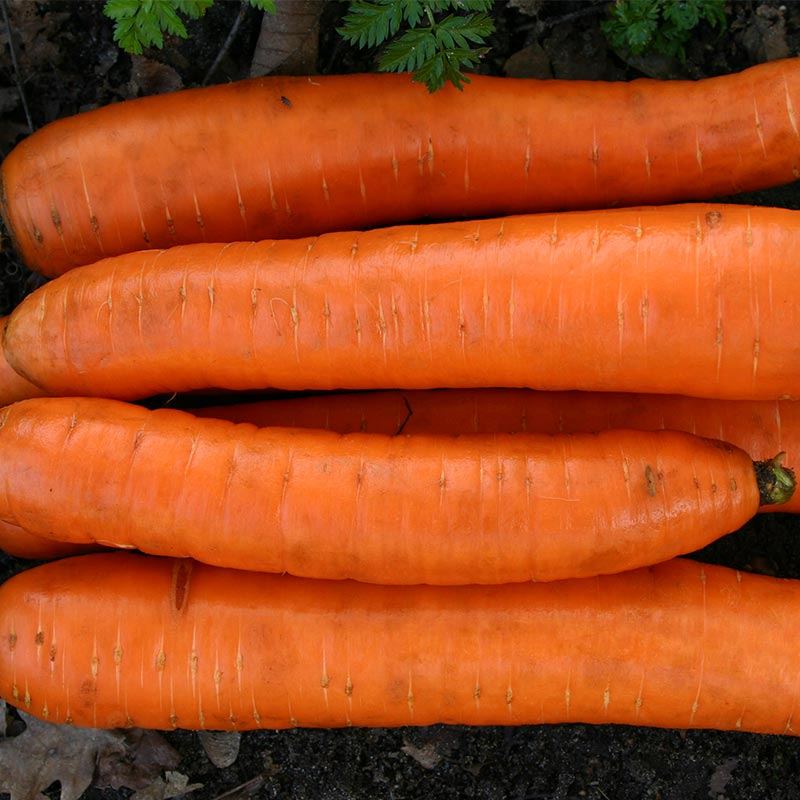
[(441, 39), (143, 23), (663, 26)]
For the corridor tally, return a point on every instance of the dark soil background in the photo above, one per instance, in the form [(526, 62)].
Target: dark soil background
[(67, 62)]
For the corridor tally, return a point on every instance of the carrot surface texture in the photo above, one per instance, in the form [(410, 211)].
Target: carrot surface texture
[(381, 509), (13, 386), (283, 157), (698, 300), (19, 543), (120, 640), (760, 428)]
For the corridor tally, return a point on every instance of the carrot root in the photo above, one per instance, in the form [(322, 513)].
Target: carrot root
[(120, 640)]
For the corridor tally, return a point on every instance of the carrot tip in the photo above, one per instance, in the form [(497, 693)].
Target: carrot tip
[(776, 483)]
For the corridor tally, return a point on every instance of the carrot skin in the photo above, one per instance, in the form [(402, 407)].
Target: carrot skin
[(236, 162), (19, 543), (116, 640), (382, 509), (760, 428), (13, 386), (698, 300)]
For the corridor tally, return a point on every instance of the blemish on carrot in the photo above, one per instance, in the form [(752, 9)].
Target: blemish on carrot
[(52, 653), (756, 353), (56, 217), (161, 661), (137, 440), (181, 575), (12, 640), (650, 480), (362, 186), (509, 696), (94, 223), (348, 687), (39, 638), (713, 218), (37, 235)]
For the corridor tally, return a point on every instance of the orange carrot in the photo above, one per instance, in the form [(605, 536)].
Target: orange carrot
[(699, 300), (283, 157), (19, 543), (382, 509), (761, 428), (120, 640), (13, 386)]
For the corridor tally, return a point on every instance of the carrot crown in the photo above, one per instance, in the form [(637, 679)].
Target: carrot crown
[(776, 483)]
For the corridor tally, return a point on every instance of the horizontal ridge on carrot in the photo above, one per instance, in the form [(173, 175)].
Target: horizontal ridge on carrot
[(760, 428), (19, 543), (120, 640), (382, 509), (699, 300), (282, 157)]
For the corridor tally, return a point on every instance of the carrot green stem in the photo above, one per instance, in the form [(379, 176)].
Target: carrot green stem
[(776, 483)]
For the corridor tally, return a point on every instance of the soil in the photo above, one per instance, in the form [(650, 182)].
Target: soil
[(67, 62)]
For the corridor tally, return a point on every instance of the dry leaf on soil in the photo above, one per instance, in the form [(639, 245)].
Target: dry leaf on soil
[(289, 39), (44, 753), (222, 747)]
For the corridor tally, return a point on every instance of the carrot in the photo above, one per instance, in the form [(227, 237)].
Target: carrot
[(698, 299), (761, 428), (13, 386), (283, 157), (19, 543), (120, 640), (422, 509)]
